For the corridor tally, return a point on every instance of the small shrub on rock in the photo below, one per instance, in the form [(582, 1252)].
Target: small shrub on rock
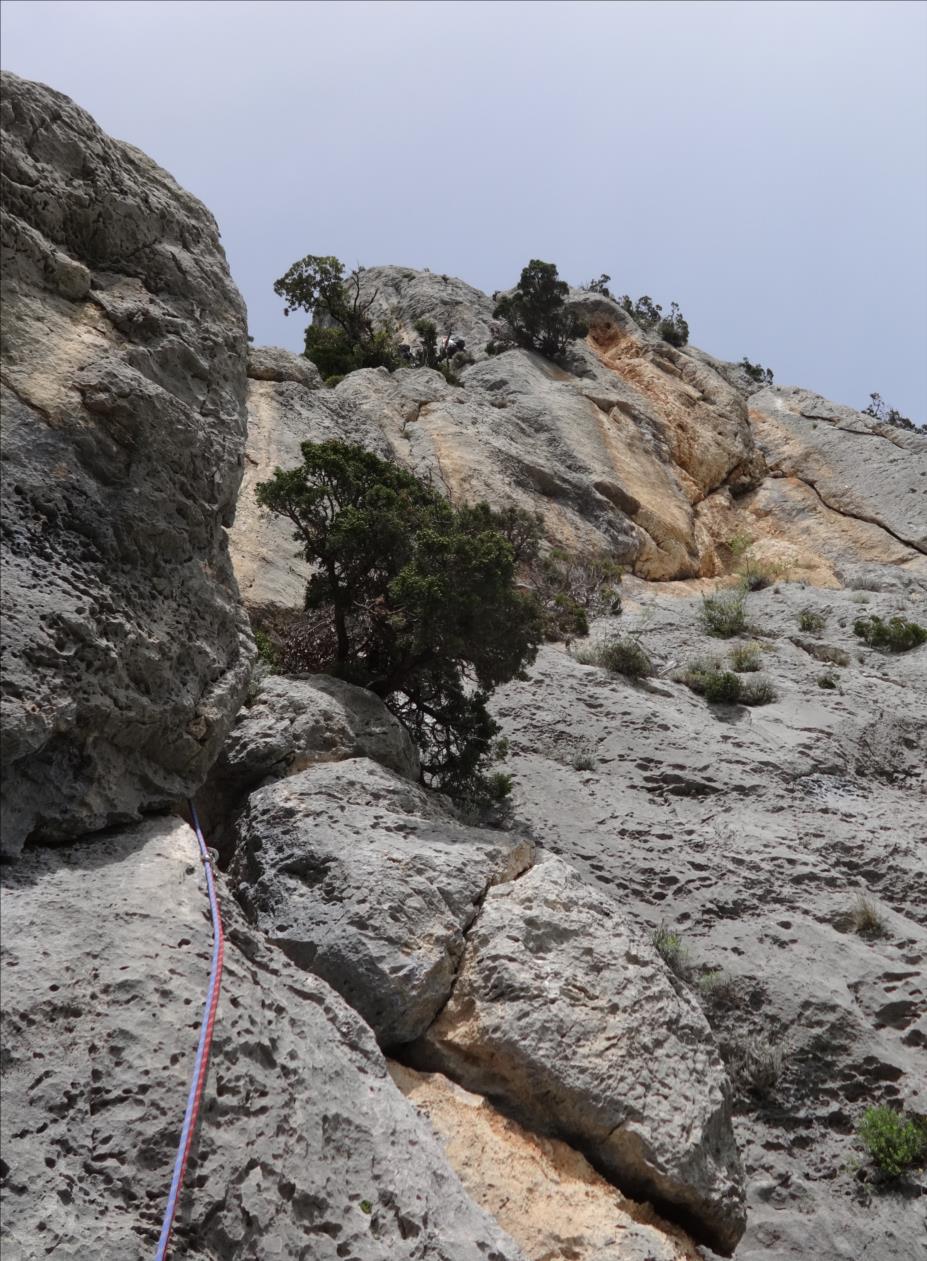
[(887, 415), (756, 372), (626, 656), (828, 682), (536, 314), (865, 919), (895, 1142), (756, 575), (649, 315), (672, 950), (721, 687), (724, 615), (599, 286), (572, 587), (811, 621), (746, 658), (895, 635), (756, 1064), (757, 692)]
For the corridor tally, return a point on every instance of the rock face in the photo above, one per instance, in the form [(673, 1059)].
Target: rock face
[(566, 1014), (843, 466), (291, 724), (127, 653), (634, 446), (545, 1194), (305, 1146), (361, 878), (753, 833)]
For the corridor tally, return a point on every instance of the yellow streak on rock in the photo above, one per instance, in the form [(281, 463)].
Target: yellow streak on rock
[(545, 1194)]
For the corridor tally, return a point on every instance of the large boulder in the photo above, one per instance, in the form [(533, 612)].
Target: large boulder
[(293, 723), (566, 1014), (361, 878), (305, 1147), (127, 653)]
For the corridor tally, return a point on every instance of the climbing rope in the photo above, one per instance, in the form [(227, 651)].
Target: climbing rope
[(202, 1050)]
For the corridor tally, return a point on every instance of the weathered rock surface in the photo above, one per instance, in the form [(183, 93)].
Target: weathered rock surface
[(635, 446), (545, 1194), (402, 295), (360, 877), (871, 478), (565, 1013), (294, 723), (123, 379), (305, 1147), (752, 832), (273, 363)]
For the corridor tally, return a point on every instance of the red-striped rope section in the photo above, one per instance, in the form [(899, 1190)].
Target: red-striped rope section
[(201, 1063)]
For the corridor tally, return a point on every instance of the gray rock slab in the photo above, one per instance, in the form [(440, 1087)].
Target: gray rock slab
[(363, 879), (126, 653), (866, 470), (565, 1012), (752, 833), (305, 1147)]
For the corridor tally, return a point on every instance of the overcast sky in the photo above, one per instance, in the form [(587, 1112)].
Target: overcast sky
[(763, 164)]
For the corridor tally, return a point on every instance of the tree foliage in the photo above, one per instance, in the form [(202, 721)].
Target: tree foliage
[(887, 415), (673, 328), (756, 372), (536, 314), (599, 286), (342, 336), (418, 598)]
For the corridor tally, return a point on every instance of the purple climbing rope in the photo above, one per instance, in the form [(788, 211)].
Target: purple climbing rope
[(201, 1063)]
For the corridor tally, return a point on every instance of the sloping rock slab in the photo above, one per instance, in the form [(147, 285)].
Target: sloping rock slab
[(567, 1015), (305, 1148), (127, 652), (360, 878)]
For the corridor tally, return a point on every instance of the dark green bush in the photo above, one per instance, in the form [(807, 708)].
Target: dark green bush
[(342, 336), (723, 614), (756, 372), (721, 687), (894, 1142), (896, 635), (411, 598), (535, 312), (828, 681), (599, 286), (626, 656), (649, 315)]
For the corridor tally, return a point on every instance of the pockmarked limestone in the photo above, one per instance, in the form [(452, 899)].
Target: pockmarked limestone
[(305, 1147), (564, 1012), (362, 878), (127, 652)]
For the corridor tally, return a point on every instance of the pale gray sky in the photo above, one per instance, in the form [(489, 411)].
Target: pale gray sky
[(763, 164)]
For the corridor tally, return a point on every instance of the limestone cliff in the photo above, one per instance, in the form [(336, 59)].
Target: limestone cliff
[(635, 447), (639, 1022)]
